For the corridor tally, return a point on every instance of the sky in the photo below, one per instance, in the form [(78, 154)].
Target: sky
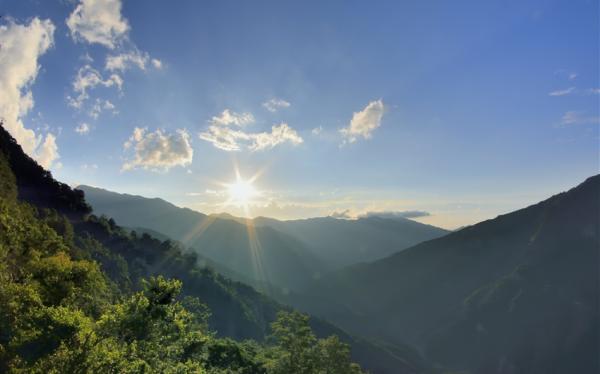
[(449, 113)]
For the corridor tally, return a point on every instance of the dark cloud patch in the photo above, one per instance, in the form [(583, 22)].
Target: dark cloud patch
[(398, 214), (342, 215)]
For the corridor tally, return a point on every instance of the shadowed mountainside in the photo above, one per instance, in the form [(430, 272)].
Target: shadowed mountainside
[(515, 294)]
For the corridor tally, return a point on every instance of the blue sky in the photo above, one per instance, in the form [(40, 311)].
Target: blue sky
[(464, 110)]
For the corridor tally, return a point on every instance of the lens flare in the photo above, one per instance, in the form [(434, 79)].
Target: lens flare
[(241, 192)]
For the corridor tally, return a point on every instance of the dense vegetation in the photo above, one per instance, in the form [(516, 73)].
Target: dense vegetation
[(516, 294), (68, 305)]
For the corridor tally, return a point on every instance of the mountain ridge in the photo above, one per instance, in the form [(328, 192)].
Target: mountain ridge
[(436, 289), (334, 242)]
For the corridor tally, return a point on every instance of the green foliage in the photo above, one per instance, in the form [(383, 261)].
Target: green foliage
[(297, 350), (8, 185), (36, 185), (78, 294), (60, 313)]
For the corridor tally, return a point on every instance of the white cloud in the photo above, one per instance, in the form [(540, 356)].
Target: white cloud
[(158, 150), (344, 214), (317, 131), (578, 118), (275, 104), (363, 123), (102, 22), (101, 106), (223, 136), (82, 129), (98, 21), (124, 61), (47, 152), (566, 91), (593, 91), (133, 58), (88, 78), (279, 134), (570, 75), (157, 63), (21, 45), (89, 166), (228, 117)]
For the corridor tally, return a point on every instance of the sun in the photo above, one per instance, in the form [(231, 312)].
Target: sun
[(241, 192)]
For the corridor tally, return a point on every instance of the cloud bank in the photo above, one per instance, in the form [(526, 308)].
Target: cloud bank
[(396, 214), (21, 46)]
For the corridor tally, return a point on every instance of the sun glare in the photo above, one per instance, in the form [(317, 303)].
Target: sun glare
[(241, 192)]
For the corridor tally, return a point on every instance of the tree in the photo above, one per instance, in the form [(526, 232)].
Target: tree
[(298, 351)]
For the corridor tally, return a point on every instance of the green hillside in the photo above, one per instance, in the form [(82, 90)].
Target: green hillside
[(80, 294)]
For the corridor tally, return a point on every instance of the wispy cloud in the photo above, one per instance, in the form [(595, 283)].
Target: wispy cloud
[(101, 106), (575, 91), (226, 132), (568, 74), (578, 118), (82, 128), (279, 134), (126, 60), (157, 63), (273, 105), (88, 78), (566, 91), (228, 117), (101, 22)]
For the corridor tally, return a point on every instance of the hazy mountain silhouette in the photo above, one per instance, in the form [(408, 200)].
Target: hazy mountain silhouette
[(287, 254), (342, 242), (515, 294), (258, 253)]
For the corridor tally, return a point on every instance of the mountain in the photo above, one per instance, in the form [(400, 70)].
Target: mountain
[(342, 242), (287, 254), (515, 294), (78, 291), (261, 254)]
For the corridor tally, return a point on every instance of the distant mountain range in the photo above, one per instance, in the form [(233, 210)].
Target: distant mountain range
[(284, 254), (515, 294), (343, 242)]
